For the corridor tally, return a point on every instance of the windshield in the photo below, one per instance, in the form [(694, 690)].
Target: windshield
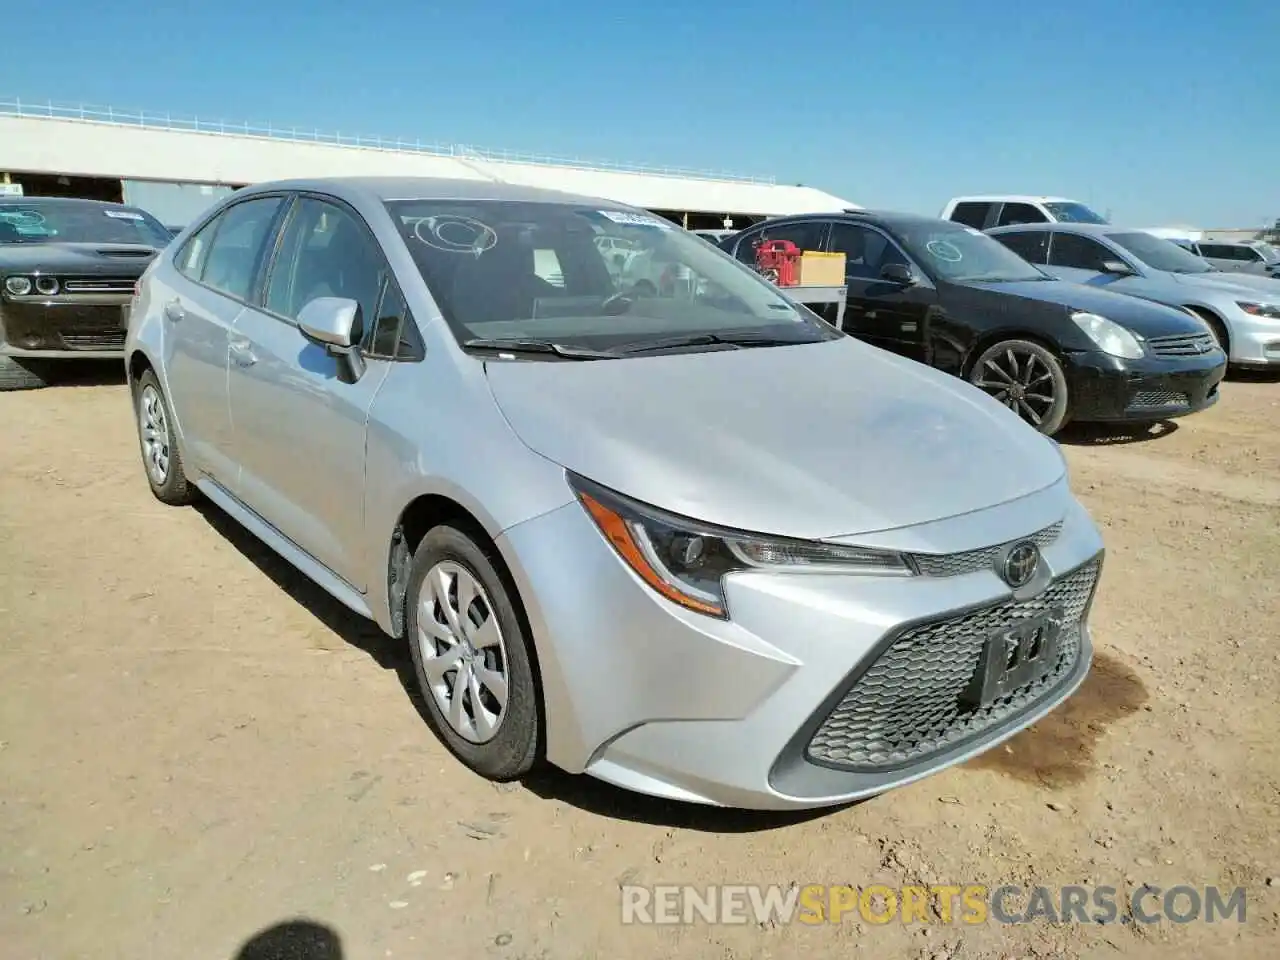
[(1068, 211), (597, 278), (958, 253), (75, 221), (1270, 253), (1160, 254)]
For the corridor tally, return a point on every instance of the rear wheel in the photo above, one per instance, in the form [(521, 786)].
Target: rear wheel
[(1028, 379)]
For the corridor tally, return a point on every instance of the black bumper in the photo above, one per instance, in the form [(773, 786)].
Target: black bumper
[(70, 328), (1106, 388)]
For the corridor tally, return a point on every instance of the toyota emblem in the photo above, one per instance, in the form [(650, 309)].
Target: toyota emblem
[(1020, 564)]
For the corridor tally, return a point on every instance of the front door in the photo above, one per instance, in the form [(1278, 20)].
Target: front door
[(299, 419), (883, 312), (217, 269)]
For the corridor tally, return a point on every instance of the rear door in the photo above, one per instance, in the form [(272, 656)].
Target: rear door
[(300, 418), (215, 271), (890, 315)]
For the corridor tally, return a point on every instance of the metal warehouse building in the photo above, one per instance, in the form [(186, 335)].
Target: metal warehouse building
[(177, 167)]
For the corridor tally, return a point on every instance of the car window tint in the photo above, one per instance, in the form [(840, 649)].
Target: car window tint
[(1030, 246), (866, 251), (805, 234), (236, 248), (1014, 213), (389, 335), (1079, 253), (190, 260), (1248, 253), (326, 252), (971, 213)]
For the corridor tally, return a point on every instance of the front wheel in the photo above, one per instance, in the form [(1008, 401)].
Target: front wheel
[(1026, 378), (471, 655), (159, 444)]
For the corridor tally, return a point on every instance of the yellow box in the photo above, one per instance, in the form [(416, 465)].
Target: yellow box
[(821, 269)]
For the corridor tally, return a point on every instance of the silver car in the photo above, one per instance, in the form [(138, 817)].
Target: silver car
[(1252, 256), (695, 543), (1242, 310)]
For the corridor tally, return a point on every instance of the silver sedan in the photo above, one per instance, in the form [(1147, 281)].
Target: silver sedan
[(684, 537)]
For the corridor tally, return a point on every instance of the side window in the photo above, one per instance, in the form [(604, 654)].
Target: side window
[(1079, 253), (866, 251), (1032, 246), (190, 259), (1248, 254), (1213, 250), (1014, 213), (326, 252), (972, 213), (236, 248), (805, 234), (393, 334), (546, 265)]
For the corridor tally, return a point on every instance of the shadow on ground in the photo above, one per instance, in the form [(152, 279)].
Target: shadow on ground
[(1059, 750), (1115, 434), (293, 940)]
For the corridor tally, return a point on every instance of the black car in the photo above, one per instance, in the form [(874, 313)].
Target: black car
[(947, 295), (67, 271)]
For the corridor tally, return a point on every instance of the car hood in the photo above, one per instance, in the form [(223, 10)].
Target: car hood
[(813, 441), (1243, 284), (87, 259), (1143, 317)]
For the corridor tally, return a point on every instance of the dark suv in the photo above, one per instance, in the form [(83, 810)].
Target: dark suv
[(947, 295)]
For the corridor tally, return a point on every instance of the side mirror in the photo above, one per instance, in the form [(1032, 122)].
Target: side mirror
[(1116, 267), (898, 273), (335, 324)]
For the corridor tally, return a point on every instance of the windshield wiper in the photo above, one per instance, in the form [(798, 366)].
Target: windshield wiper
[(739, 340), (517, 345)]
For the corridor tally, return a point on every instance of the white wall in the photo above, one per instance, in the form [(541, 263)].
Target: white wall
[(85, 148)]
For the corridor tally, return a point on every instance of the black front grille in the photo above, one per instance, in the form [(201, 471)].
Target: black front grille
[(910, 704), (99, 284), (106, 338), (1158, 399), (1184, 345)]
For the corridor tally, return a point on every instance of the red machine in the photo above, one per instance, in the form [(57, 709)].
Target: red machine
[(778, 261)]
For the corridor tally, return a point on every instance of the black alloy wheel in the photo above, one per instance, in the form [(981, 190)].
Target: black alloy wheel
[(1027, 379)]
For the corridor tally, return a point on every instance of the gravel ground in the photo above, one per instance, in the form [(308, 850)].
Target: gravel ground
[(196, 745)]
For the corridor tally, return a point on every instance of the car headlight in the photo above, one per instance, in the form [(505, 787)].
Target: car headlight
[(687, 561), (1268, 310), (18, 286), (1108, 335)]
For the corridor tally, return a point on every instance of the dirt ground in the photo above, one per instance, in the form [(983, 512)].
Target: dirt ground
[(196, 745)]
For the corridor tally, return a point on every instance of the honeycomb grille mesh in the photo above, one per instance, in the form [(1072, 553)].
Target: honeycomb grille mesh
[(1158, 398), (908, 705), (956, 564)]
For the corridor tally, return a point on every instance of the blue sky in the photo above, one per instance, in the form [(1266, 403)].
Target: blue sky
[(1160, 112)]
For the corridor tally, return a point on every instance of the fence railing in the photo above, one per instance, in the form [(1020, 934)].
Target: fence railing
[(154, 120)]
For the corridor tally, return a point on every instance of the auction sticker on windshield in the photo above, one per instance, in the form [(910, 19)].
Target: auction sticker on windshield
[(635, 219), (122, 215)]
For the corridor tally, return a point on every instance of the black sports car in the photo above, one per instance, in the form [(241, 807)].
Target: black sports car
[(1052, 351), (67, 272)]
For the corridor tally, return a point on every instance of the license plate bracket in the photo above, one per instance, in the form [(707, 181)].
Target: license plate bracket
[(1019, 655)]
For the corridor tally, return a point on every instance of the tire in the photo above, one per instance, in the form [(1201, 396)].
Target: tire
[(1035, 370), (161, 461), (442, 563), (1216, 327), (21, 375)]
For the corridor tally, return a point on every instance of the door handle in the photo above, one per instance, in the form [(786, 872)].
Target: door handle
[(173, 310), (242, 353)]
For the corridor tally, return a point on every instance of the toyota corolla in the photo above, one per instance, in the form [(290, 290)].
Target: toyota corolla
[(692, 541)]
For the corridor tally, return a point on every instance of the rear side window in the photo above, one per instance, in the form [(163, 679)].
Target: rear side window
[(190, 260), (240, 234), (1078, 253), (972, 213), (1032, 246), (1015, 213)]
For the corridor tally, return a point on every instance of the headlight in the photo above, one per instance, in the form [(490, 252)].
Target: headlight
[(686, 561), (1268, 310), (1108, 335), (47, 285), (18, 286)]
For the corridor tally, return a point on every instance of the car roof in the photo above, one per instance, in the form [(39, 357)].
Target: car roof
[(9, 200), (1092, 229), (1009, 198), (382, 189)]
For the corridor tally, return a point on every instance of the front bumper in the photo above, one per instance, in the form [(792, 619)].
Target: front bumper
[(1255, 341), (1106, 388), (66, 326), (653, 698)]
